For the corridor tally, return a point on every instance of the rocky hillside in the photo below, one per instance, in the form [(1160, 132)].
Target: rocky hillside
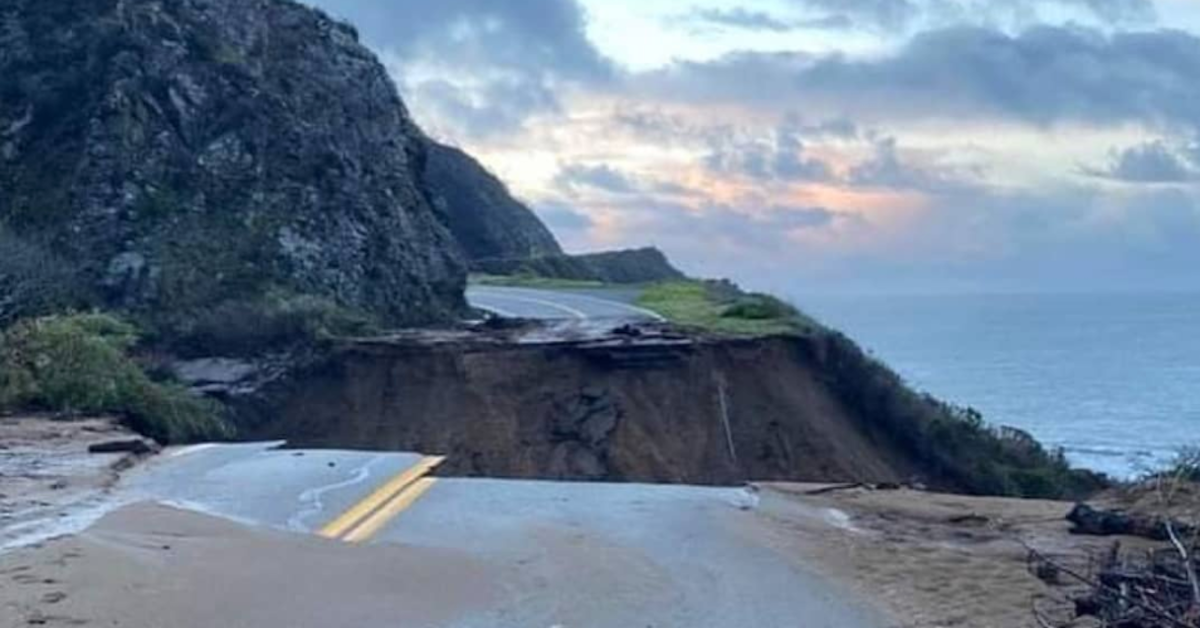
[(483, 216), (179, 154)]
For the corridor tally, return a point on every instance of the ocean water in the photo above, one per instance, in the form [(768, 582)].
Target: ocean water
[(1114, 379)]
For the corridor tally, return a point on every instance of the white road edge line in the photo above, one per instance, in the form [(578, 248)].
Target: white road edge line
[(620, 305), (550, 304), (493, 309), (186, 451)]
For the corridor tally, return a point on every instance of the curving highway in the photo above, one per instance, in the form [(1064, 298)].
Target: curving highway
[(559, 304)]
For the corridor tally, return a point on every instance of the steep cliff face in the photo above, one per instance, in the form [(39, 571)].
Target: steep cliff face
[(181, 153), (693, 411), (653, 404), (481, 213)]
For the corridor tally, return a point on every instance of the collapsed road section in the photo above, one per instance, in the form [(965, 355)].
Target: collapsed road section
[(576, 401)]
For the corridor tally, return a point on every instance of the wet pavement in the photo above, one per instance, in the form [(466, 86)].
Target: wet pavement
[(570, 554)]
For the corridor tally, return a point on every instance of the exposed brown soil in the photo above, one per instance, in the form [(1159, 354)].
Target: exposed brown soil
[(683, 410), (935, 560)]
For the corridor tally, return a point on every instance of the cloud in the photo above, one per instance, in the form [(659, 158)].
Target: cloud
[(1043, 76), (834, 168), (885, 15), (900, 16), (1151, 162), (839, 128), (742, 18), (562, 218), (780, 157), (479, 67), (1119, 11), (547, 35), (496, 105), (601, 177), (887, 169), (719, 230), (1073, 239)]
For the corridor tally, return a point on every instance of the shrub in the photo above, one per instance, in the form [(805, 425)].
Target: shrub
[(961, 451), (1186, 465), (274, 321), (32, 281), (80, 364), (760, 307)]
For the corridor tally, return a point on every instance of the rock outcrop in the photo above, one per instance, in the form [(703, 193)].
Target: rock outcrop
[(484, 217), (182, 153)]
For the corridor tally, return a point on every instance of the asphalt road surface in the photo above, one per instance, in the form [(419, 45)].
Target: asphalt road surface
[(557, 304), (562, 555)]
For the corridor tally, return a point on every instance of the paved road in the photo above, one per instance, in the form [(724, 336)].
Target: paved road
[(557, 304), (571, 555)]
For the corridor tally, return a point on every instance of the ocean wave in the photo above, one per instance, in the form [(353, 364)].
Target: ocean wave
[(1114, 452)]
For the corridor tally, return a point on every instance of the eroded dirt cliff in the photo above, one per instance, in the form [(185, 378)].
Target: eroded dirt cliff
[(658, 408)]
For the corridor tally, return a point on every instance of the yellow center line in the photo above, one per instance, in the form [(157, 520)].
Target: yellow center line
[(383, 516), (373, 502)]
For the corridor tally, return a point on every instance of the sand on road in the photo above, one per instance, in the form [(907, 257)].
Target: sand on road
[(151, 566)]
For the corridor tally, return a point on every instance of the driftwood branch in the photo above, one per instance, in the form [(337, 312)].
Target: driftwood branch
[(1121, 593), (1189, 564)]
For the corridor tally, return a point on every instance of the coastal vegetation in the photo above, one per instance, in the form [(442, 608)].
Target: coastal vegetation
[(276, 320), (956, 445), (722, 307), (82, 364)]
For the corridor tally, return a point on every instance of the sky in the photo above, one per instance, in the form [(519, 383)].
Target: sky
[(829, 146)]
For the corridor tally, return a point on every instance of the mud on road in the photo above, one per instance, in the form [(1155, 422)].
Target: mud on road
[(47, 475)]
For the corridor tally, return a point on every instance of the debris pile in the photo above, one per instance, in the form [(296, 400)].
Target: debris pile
[(1152, 588)]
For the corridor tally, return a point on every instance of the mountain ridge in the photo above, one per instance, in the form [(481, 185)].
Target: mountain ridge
[(179, 154)]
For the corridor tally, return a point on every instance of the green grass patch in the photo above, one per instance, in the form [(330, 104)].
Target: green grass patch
[(534, 281), (722, 307), (80, 364)]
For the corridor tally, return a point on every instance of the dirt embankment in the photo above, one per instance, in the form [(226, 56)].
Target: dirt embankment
[(659, 410)]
